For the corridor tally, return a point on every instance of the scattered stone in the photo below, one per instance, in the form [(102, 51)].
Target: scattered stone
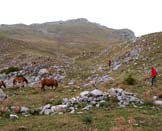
[(43, 71), (3, 96), (89, 99), (13, 116), (59, 108), (87, 107), (96, 93), (72, 82), (158, 102), (124, 98), (24, 109)]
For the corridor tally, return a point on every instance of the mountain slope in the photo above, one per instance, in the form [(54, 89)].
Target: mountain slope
[(65, 38)]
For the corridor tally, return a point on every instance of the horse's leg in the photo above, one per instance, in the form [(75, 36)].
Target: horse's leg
[(56, 85), (22, 85), (14, 85), (42, 88)]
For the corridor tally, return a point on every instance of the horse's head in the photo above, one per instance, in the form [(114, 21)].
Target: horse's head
[(25, 80)]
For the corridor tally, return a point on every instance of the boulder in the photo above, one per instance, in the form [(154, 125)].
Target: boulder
[(13, 116), (43, 71), (47, 112), (24, 109), (59, 108), (96, 93), (158, 102)]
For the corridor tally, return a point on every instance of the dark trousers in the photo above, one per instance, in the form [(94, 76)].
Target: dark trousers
[(153, 80)]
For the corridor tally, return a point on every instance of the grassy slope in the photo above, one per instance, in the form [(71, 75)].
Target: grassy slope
[(104, 118), (147, 117)]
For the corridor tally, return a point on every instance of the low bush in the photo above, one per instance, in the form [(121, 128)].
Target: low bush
[(9, 70), (87, 119), (130, 80)]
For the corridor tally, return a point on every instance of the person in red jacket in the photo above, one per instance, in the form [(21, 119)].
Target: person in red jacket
[(153, 75)]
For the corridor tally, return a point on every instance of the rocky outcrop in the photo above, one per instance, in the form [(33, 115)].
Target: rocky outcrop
[(124, 98), (35, 72), (91, 99), (85, 101)]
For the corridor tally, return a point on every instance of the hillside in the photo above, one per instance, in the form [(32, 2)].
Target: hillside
[(66, 39), (66, 34), (76, 53)]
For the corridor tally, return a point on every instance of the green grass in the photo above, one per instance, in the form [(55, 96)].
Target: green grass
[(102, 119), (148, 117)]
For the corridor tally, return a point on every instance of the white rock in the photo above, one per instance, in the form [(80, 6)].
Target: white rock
[(24, 109), (158, 102), (116, 67), (87, 107), (96, 92), (59, 108), (13, 116), (47, 106), (155, 97), (43, 71), (72, 110), (47, 111), (98, 105)]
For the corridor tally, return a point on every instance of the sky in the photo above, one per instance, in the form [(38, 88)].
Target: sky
[(141, 16)]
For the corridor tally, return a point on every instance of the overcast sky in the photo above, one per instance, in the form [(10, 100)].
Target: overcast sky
[(141, 16)]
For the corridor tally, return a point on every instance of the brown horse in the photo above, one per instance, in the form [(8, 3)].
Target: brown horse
[(48, 82), (20, 80), (2, 84)]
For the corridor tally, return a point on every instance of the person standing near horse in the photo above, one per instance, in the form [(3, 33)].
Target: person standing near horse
[(153, 75)]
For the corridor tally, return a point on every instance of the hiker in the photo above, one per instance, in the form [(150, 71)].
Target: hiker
[(109, 63), (153, 75)]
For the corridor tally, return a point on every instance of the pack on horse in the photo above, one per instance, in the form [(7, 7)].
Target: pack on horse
[(2, 84), (48, 82), (20, 80)]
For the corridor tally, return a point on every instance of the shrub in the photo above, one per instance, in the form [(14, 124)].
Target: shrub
[(19, 75), (9, 70), (130, 80), (87, 119)]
